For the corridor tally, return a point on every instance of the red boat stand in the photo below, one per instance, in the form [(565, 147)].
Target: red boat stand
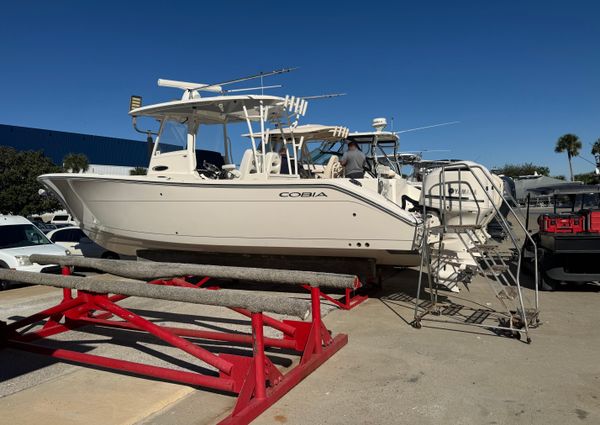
[(350, 299), (256, 381)]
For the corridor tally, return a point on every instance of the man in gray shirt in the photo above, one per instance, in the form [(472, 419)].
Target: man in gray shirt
[(354, 162)]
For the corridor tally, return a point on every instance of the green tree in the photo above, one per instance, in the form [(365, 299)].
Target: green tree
[(561, 177), (588, 178), (76, 162), (570, 144), (526, 169), (138, 171), (19, 188)]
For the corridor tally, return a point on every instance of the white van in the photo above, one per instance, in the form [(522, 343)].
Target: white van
[(19, 238)]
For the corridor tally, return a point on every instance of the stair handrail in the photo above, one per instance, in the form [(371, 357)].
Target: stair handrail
[(471, 168)]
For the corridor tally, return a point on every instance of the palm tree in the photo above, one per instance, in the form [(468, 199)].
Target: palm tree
[(76, 162), (571, 144), (596, 148), (596, 153)]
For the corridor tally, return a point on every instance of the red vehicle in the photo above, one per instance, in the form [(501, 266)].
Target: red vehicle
[(568, 244), (561, 223)]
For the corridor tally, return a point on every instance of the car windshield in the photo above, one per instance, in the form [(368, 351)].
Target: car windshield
[(20, 235)]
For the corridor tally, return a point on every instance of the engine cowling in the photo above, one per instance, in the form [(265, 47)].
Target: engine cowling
[(463, 193)]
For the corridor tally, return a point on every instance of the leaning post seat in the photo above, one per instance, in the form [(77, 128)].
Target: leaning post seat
[(273, 163), (247, 166)]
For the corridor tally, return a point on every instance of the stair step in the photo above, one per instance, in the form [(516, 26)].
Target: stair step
[(441, 263), (499, 268), (508, 293), (455, 228), (484, 248)]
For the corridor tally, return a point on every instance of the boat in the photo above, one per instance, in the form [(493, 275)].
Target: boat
[(463, 203), (195, 199)]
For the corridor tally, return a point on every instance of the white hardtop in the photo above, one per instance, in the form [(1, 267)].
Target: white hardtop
[(222, 108), (373, 136), (308, 132), (6, 220), (181, 120), (216, 109)]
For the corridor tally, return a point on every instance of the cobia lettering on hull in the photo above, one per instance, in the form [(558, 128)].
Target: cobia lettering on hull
[(302, 194)]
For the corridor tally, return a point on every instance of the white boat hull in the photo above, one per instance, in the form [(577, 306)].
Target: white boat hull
[(334, 218)]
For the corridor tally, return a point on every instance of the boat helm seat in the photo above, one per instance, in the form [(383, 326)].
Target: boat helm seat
[(231, 171), (247, 166), (385, 171), (333, 169), (273, 162)]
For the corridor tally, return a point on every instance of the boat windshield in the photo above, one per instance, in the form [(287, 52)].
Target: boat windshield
[(384, 151), (173, 136), (21, 235), (322, 153)]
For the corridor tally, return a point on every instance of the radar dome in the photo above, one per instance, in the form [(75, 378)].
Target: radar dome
[(379, 124)]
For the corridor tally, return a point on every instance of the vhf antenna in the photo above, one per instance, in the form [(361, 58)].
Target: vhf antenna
[(253, 88), (427, 126), (323, 96), (260, 75)]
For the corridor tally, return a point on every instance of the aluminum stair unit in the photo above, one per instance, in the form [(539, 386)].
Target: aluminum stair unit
[(472, 253)]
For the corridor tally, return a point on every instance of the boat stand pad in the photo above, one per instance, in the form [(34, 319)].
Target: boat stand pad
[(255, 380)]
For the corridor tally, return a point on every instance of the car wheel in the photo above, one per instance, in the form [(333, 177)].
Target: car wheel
[(3, 283)]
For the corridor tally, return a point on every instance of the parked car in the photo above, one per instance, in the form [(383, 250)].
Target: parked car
[(44, 227), (19, 238), (78, 243), (62, 219)]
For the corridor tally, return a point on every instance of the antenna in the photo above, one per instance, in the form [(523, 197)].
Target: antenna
[(323, 96), (253, 88), (585, 159), (429, 150), (260, 75), (427, 126)]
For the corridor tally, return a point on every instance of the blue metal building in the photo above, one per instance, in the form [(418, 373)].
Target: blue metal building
[(58, 144)]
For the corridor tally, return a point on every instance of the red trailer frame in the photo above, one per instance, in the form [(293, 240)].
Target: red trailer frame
[(256, 381), (350, 299)]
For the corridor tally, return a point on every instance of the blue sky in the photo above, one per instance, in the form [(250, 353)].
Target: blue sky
[(517, 74)]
